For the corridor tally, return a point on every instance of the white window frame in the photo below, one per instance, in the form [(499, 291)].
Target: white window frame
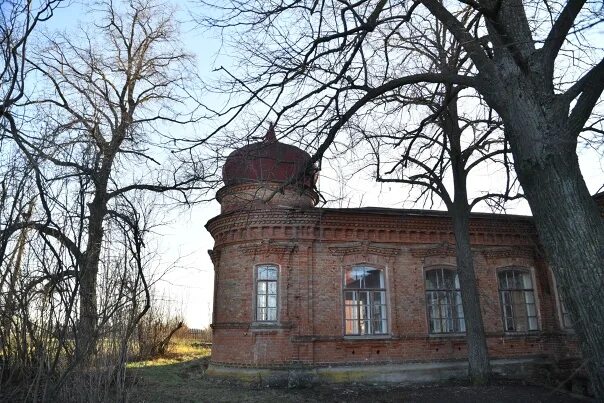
[(535, 301), (367, 329), (454, 309), (258, 317)]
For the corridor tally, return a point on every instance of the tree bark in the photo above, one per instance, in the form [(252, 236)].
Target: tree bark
[(87, 330), (479, 368), (478, 357), (88, 284), (571, 230), (566, 217)]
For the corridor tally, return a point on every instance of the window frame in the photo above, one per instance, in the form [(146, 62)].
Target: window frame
[(451, 291), (386, 302), (565, 316), (531, 273), (257, 281), (560, 307)]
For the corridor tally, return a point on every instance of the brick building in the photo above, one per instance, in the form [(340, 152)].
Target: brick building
[(366, 294)]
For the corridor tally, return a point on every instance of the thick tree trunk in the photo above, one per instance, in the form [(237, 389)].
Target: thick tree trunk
[(478, 357), (567, 218), (572, 233)]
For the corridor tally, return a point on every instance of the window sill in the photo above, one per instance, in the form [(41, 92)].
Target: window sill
[(368, 337), (447, 335), (530, 333), (269, 326)]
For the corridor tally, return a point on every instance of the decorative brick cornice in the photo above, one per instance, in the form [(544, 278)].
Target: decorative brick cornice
[(364, 249), (267, 217), (215, 256), (267, 246), (506, 253), (443, 249), (278, 186), (448, 249), (387, 226)]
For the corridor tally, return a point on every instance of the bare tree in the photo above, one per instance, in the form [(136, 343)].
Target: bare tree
[(38, 312), (111, 91), (457, 136), (18, 22), (82, 142), (318, 64)]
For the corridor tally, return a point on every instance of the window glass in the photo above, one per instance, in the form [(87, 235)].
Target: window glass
[(567, 322), (364, 277), (517, 296), (365, 306), (267, 273), (443, 301), (266, 293)]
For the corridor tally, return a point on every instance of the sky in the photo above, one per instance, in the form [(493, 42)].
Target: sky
[(182, 242)]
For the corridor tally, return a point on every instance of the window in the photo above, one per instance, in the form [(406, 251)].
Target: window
[(565, 315), (517, 300), (365, 307), (567, 322), (443, 301), (266, 293)]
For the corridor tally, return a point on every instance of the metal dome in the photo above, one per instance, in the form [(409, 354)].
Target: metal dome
[(267, 161)]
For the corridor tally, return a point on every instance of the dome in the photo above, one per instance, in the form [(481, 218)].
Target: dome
[(267, 161)]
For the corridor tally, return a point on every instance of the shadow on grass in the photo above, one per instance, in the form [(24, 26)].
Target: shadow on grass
[(181, 378), (170, 380)]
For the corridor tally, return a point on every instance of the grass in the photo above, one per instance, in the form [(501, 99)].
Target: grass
[(171, 377), (179, 376), (179, 351)]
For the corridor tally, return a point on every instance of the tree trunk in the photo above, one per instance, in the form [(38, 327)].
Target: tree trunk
[(479, 368), (88, 280), (566, 216), (478, 357), (572, 233)]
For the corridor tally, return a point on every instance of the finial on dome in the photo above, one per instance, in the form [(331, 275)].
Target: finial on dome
[(270, 136)]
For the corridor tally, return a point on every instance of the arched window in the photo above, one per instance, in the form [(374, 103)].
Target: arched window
[(566, 320), (517, 297), (365, 306), (443, 301), (565, 315), (266, 293)]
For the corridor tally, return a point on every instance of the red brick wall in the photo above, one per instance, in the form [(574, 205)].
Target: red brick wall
[(312, 248)]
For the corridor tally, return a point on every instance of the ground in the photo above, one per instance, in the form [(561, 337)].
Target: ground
[(180, 377)]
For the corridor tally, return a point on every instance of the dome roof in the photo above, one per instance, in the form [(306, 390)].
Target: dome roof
[(267, 161)]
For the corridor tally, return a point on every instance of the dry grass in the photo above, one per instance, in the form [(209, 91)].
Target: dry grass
[(179, 376), (179, 351), (174, 376)]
